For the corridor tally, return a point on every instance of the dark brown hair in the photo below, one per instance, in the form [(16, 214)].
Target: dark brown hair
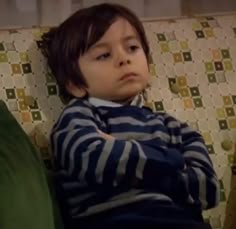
[(63, 45)]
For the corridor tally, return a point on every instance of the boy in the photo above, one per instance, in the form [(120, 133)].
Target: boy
[(120, 164)]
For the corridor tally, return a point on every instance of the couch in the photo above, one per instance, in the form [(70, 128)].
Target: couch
[(193, 74)]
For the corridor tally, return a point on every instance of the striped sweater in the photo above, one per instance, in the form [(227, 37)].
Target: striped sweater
[(153, 157)]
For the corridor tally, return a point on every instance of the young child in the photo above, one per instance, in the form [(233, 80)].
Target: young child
[(119, 163)]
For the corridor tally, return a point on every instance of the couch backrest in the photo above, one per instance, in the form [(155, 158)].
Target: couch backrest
[(193, 70)]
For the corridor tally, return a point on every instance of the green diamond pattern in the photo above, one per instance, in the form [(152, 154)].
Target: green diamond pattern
[(36, 116), (50, 78), (34, 106), (205, 24), (211, 78), (3, 57), (223, 124), (172, 81), (26, 68), (234, 99), (52, 90), (209, 67), (2, 47), (194, 91), (198, 102), (230, 111), (199, 34), (161, 37), (159, 106), (225, 53), (210, 149), (10, 93), (187, 56)]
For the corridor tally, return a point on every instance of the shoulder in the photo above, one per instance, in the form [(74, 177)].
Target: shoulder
[(174, 125), (78, 106), (76, 109), (166, 118)]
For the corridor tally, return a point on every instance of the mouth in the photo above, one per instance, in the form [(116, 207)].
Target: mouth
[(129, 75)]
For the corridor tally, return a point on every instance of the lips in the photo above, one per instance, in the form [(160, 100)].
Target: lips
[(128, 75)]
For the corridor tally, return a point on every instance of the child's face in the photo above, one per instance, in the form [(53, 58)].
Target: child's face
[(115, 68)]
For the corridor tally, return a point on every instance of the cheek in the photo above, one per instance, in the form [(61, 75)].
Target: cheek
[(98, 68), (90, 72), (146, 72), (144, 65), (142, 60)]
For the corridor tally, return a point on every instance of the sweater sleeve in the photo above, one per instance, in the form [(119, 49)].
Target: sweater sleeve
[(197, 183), (81, 153)]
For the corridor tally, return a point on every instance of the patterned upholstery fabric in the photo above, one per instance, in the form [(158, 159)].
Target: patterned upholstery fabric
[(193, 68)]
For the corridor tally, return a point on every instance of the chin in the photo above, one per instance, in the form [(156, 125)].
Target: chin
[(124, 100), (134, 91), (128, 93), (128, 97)]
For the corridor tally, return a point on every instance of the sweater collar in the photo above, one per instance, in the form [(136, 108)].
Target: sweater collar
[(137, 101)]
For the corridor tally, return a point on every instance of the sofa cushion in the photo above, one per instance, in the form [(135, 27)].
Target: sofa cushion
[(25, 200), (192, 65)]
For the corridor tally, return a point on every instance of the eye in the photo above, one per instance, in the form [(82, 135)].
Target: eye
[(133, 48), (103, 56)]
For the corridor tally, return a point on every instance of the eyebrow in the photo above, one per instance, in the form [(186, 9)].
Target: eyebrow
[(106, 44)]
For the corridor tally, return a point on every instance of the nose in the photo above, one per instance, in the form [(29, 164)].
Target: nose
[(122, 57), (124, 62)]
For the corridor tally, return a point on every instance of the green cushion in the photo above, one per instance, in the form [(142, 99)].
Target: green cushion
[(25, 199)]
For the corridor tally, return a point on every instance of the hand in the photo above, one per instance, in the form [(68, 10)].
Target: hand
[(105, 136)]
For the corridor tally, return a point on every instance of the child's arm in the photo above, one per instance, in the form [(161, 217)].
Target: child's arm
[(81, 151), (198, 182)]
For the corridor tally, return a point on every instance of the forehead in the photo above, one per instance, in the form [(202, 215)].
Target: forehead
[(121, 28)]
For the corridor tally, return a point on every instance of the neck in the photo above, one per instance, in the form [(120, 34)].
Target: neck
[(125, 101)]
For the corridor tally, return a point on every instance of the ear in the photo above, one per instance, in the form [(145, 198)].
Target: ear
[(76, 91)]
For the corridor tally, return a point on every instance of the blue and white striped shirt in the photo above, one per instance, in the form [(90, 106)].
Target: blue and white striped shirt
[(153, 156)]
